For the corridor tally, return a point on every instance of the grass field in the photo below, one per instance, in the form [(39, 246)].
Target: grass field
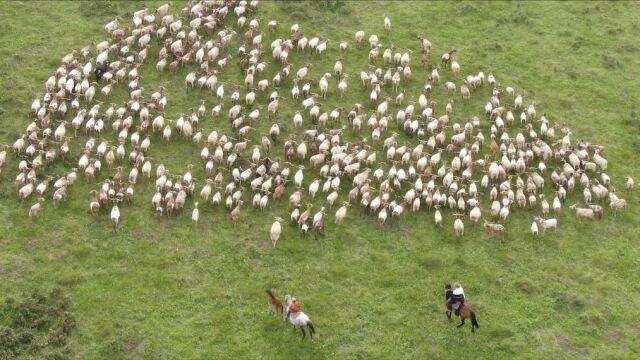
[(164, 289)]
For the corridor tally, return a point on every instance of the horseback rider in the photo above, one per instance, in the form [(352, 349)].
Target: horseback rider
[(294, 307), (457, 296)]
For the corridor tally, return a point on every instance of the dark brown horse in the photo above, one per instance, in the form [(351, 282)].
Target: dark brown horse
[(465, 312)]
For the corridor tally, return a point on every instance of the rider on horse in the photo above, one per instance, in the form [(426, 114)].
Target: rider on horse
[(294, 307), (457, 296)]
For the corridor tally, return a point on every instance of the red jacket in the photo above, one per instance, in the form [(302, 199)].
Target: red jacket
[(295, 306)]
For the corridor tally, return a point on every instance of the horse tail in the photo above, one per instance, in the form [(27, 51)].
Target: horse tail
[(474, 322), (311, 328)]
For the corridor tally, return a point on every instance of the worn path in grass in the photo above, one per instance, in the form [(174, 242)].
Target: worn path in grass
[(165, 289)]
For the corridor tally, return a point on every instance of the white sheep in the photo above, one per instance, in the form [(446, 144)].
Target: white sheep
[(583, 213), (373, 41), (494, 229), (195, 215), (115, 216), (341, 213), (629, 184), (617, 205), (359, 37), (35, 209), (458, 227), (547, 224), (534, 228)]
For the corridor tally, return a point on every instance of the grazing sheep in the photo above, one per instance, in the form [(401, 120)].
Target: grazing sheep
[(617, 205), (494, 229), (448, 166)]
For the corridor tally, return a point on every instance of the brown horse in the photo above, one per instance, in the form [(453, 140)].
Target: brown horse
[(276, 304), (465, 313)]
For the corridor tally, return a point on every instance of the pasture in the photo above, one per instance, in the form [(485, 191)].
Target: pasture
[(164, 288)]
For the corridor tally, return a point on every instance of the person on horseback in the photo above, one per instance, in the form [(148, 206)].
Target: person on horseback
[(294, 307), (457, 296)]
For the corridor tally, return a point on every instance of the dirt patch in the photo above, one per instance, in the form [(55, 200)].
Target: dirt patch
[(55, 242), (526, 287), (31, 245), (613, 334), (61, 256), (137, 233), (11, 267), (567, 346), (431, 263), (204, 253), (134, 346), (263, 244)]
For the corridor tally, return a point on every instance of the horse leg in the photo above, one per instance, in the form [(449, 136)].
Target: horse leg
[(448, 314), (304, 334), (462, 323)]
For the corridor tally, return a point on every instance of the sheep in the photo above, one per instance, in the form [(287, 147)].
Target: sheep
[(458, 226), (359, 36), (341, 213), (455, 66), (276, 230), (195, 214), (547, 224), (382, 215), (373, 41), (450, 86), (235, 213), (582, 213), (35, 209), (115, 216), (494, 229), (598, 211), (629, 183), (59, 195), (534, 228), (617, 205), (387, 23), (318, 222), (26, 190), (324, 85)]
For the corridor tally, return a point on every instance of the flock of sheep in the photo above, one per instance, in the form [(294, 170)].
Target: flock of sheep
[(474, 167)]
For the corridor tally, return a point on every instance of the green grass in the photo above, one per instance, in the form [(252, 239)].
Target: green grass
[(162, 288)]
